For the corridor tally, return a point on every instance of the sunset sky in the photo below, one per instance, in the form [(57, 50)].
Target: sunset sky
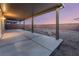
[(67, 15)]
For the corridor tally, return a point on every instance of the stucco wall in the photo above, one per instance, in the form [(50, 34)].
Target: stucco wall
[(1, 24), (0, 28)]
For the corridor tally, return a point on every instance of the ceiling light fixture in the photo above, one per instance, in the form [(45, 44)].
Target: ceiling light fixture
[(3, 18)]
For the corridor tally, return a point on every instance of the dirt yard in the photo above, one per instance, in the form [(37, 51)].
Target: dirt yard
[(70, 46)]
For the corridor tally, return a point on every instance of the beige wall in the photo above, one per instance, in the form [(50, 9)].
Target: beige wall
[(1, 24), (0, 28)]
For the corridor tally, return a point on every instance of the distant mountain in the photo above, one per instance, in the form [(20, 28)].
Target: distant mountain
[(68, 26)]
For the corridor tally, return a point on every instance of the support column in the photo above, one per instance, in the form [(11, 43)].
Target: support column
[(19, 25), (57, 24), (32, 21), (24, 24)]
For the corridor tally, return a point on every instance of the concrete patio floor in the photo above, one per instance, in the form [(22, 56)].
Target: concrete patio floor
[(24, 43)]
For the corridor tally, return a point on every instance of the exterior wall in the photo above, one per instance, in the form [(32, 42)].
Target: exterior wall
[(0, 28), (1, 24)]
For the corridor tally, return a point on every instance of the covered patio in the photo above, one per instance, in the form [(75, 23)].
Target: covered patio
[(22, 42)]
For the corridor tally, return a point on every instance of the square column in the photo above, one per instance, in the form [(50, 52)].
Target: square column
[(32, 20), (24, 25), (57, 24)]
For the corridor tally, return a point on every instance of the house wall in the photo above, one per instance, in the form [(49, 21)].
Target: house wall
[(1, 24), (0, 28)]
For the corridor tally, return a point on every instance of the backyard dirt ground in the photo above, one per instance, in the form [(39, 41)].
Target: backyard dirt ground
[(70, 45)]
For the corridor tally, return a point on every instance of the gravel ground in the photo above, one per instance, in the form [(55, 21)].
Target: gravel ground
[(70, 45)]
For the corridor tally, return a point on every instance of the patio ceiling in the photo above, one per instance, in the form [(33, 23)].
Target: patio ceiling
[(21, 11)]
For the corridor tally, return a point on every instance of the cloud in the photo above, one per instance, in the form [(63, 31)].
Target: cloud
[(76, 19)]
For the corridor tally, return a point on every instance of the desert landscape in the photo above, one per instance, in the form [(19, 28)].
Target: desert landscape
[(70, 46)]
